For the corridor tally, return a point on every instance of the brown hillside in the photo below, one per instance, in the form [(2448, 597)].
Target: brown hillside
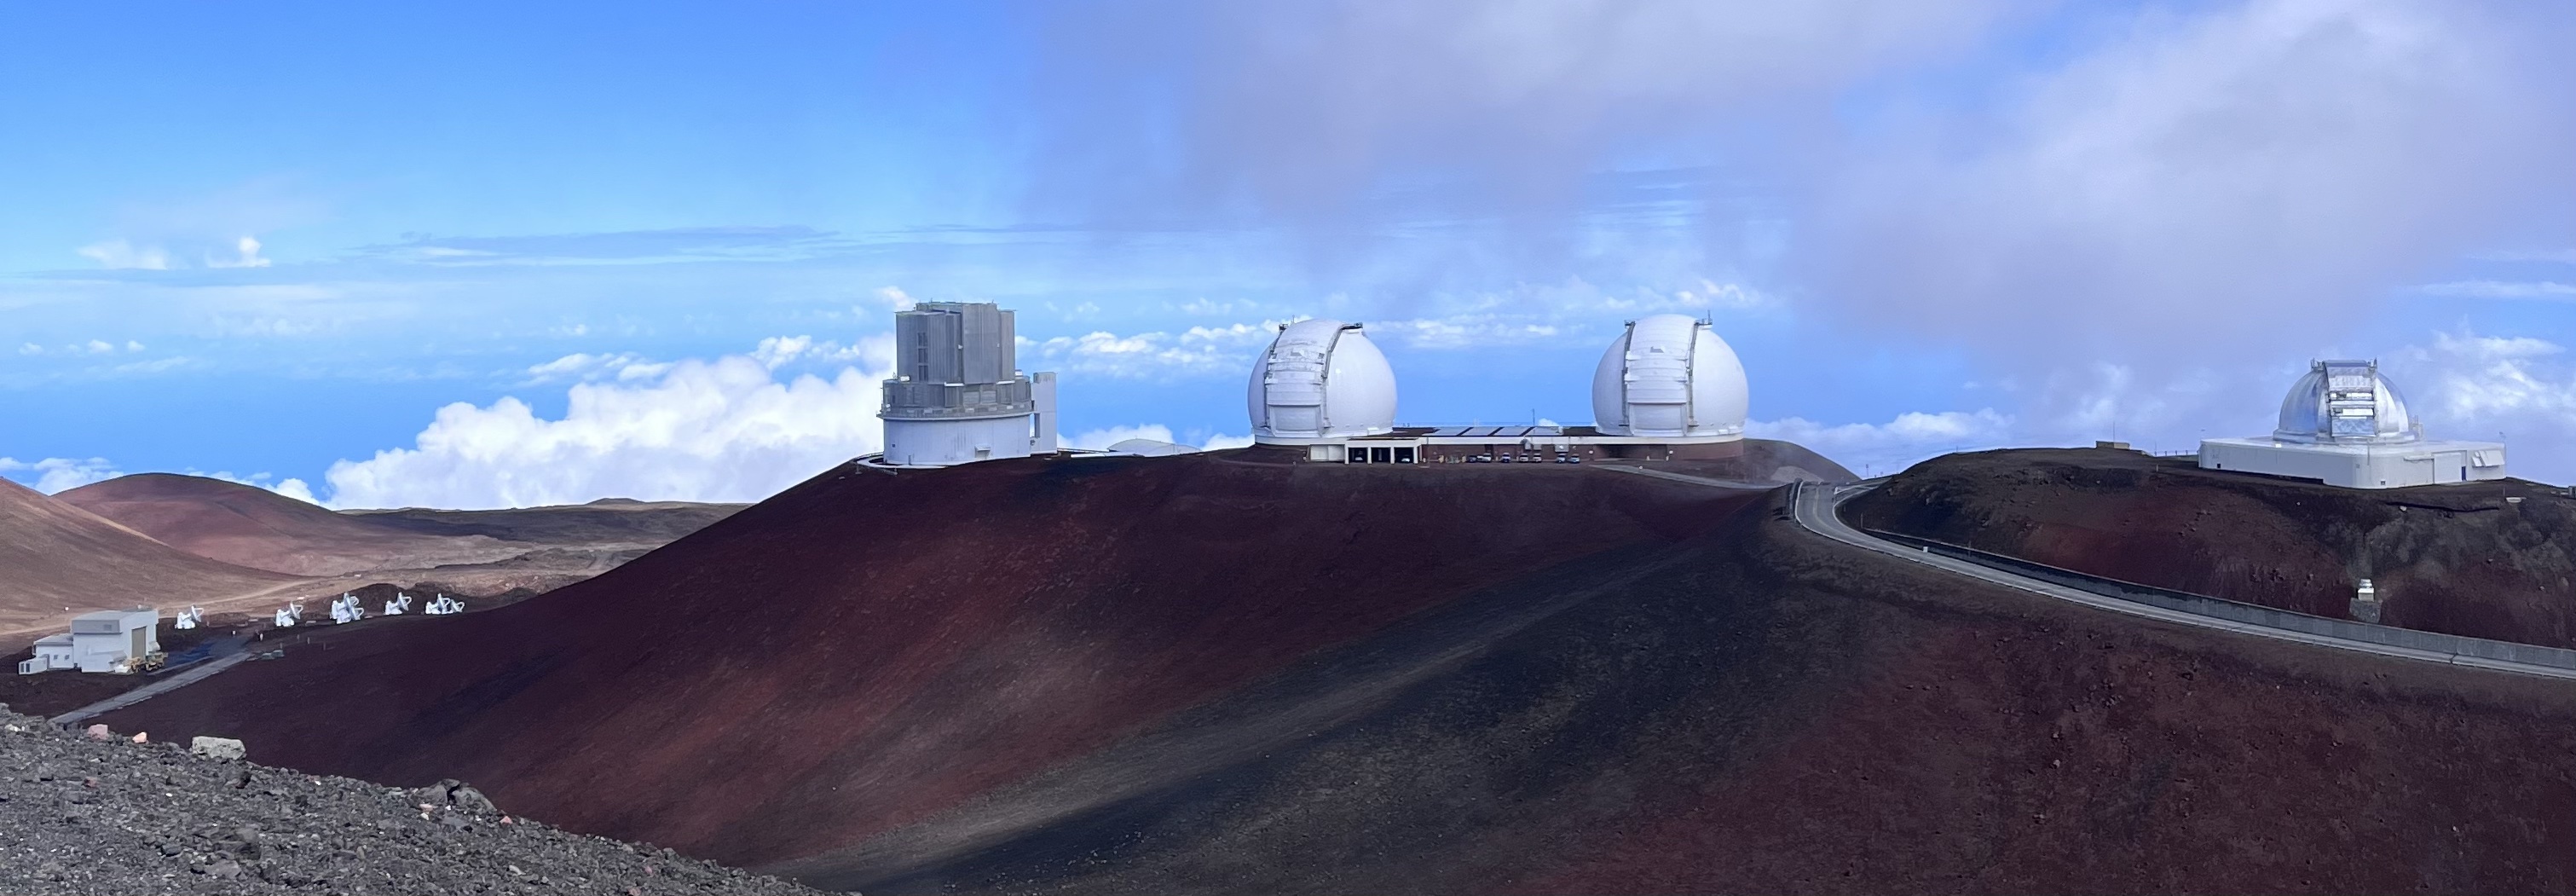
[(54, 555), (868, 649), (258, 528), (2446, 558)]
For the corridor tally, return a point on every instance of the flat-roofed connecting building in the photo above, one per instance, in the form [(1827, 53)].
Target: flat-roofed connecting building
[(2345, 424), (957, 395)]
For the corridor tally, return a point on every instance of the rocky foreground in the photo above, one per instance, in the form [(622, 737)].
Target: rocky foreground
[(81, 815)]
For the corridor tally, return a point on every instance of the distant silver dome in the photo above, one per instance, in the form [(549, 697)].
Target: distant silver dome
[(2345, 402)]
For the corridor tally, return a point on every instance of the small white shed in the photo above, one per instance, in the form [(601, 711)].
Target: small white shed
[(52, 652)]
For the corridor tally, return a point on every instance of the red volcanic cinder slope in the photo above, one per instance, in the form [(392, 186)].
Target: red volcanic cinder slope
[(2456, 558), (1197, 674), (866, 650), (54, 555), (258, 528), (1759, 709)]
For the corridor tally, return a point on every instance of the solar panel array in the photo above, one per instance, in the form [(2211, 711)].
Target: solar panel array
[(1496, 432)]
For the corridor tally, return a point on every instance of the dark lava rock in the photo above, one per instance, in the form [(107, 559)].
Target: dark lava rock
[(87, 816)]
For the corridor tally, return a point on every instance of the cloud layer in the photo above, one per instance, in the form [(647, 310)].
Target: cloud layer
[(722, 430)]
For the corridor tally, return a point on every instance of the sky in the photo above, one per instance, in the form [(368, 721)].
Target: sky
[(483, 255)]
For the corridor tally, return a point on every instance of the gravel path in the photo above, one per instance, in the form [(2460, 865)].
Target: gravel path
[(82, 816)]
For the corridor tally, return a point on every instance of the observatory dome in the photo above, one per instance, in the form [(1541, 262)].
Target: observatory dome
[(1320, 379), (1670, 376), (2345, 402)]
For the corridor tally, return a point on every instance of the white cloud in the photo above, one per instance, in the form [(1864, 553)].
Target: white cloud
[(247, 256), (874, 352), (121, 255), (2500, 289), (2492, 378), (587, 367), (1213, 308), (1221, 441), (721, 430), (1198, 351), (1300, 109), (2269, 164), (1877, 448), (295, 488), (86, 347), (292, 488), (892, 298), (58, 474), (1462, 331)]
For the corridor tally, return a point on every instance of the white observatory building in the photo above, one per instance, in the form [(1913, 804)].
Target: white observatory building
[(2345, 424), (1667, 389), (1320, 381), (957, 395), (1670, 379)]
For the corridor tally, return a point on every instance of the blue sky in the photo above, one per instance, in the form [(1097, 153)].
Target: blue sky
[(474, 255)]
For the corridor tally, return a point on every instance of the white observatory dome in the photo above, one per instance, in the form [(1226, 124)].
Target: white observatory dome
[(1670, 376), (2345, 402), (1320, 379)]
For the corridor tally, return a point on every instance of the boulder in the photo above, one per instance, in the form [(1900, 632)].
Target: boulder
[(457, 795), (216, 747)]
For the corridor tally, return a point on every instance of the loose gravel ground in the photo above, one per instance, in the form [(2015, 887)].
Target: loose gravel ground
[(85, 816)]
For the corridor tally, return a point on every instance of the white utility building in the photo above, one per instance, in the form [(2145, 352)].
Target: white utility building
[(1320, 381), (105, 641), (1671, 379), (2345, 424), (958, 395)]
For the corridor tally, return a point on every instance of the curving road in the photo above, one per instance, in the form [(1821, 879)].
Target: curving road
[(1816, 507)]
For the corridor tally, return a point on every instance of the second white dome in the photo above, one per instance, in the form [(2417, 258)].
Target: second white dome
[(1320, 379), (1670, 376)]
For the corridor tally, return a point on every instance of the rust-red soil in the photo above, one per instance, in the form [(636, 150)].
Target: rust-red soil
[(2458, 559), (1201, 674), (867, 649), (55, 556)]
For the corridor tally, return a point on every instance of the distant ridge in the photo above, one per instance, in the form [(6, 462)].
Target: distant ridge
[(254, 527), (54, 554)]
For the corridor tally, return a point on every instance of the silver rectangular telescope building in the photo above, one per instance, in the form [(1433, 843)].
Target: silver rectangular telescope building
[(957, 395)]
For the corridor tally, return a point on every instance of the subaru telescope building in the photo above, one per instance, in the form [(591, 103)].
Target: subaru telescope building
[(957, 395)]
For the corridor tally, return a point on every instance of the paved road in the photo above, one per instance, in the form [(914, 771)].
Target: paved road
[(1816, 509), (166, 684)]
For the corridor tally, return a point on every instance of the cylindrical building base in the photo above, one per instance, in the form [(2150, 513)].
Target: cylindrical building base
[(940, 443)]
